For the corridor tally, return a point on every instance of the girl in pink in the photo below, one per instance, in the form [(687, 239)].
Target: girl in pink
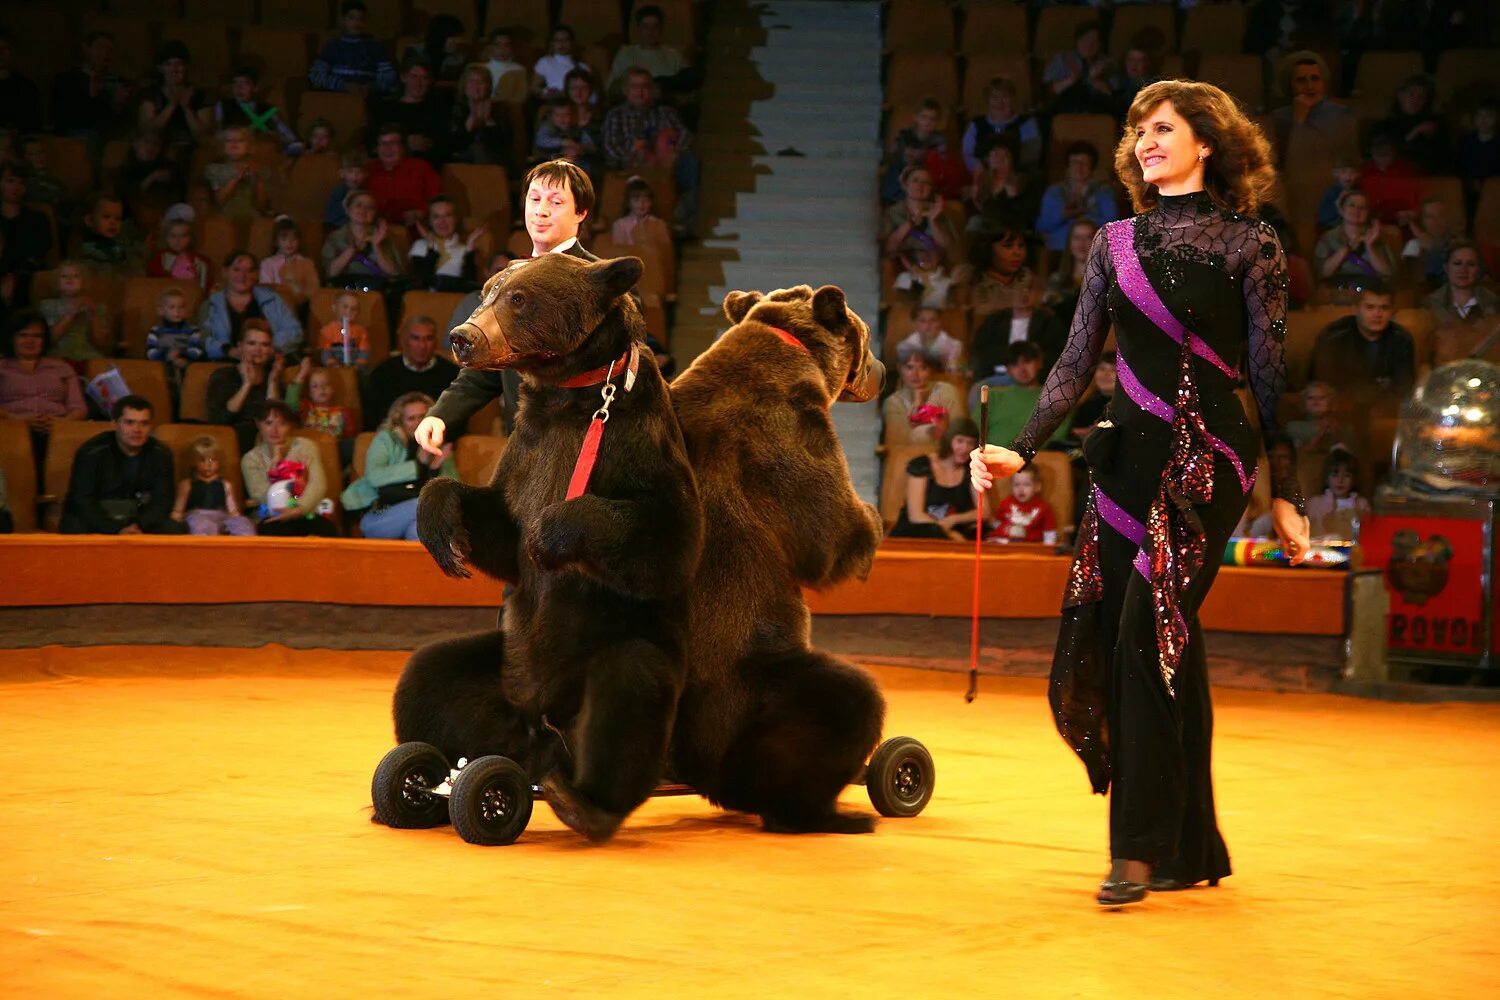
[(287, 266), (638, 225), (177, 258), (205, 501)]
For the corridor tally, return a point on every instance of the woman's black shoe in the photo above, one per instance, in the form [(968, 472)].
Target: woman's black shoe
[(1120, 893), (1163, 884)]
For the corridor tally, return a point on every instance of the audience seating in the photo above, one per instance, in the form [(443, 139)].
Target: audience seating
[(361, 452), (371, 316), (145, 378), (1242, 75), (1101, 131), (913, 76), (893, 478), (530, 19), (1302, 329), (476, 456), (139, 308), (593, 21), (984, 67), (209, 44), (333, 469), (919, 26), (19, 466), (135, 48), (62, 444), (180, 437), (68, 162), (481, 193), (296, 13), (1213, 27), (1377, 78), (487, 421), (192, 405), (1465, 74), (1054, 29), (995, 27), (1151, 27), (345, 111), (436, 306), (279, 53), (240, 13)]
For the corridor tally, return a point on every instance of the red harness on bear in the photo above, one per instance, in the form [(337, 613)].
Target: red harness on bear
[(629, 363)]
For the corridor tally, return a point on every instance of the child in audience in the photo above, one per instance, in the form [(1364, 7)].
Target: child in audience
[(442, 260), (343, 340), (553, 67), (318, 408), (1002, 274), (238, 187), (1345, 178), (1479, 151), (286, 265), (149, 181), (79, 325), (1066, 280), (205, 500), (102, 242), (1024, 516), (1093, 407), (1320, 426), (929, 337), (560, 137), (177, 258), (41, 187), (351, 178), (637, 223), (911, 146), (243, 109), (500, 60), (1426, 253), (1338, 510), (925, 276), (1011, 405), (320, 137), (173, 340)]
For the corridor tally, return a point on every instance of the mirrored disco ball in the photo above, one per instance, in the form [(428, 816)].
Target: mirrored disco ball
[(1449, 434)]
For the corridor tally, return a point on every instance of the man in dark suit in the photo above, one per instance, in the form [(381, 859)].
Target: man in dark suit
[(559, 197)]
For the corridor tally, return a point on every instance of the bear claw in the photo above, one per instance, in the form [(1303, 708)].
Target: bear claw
[(598, 825)]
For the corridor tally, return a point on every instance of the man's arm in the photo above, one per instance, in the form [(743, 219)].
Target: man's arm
[(286, 332), (162, 492), (83, 493), (466, 396)]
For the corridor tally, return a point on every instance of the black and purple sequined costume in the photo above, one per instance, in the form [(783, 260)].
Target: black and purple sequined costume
[(1189, 287)]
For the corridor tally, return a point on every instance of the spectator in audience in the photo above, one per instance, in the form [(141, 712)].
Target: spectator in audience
[(1136, 73), (911, 146), (926, 277), (917, 221), (1066, 279), (1001, 197), (319, 409), (645, 133), (244, 109), (320, 136), (206, 501), (558, 137), (443, 47), (148, 182), (663, 62), (939, 503), (638, 222), (352, 178), (1304, 79), (402, 185), (1353, 255), (177, 258), (173, 108), (511, 79), (1479, 151), (1082, 80), (1418, 132), (1281, 458), (1337, 511), (1464, 312), (41, 187), (1389, 183), (396, 469), (586, 114), (102, 242), (1320, 426), (1094, 406), (286, 265), (233, 393), (277, 457), (1426, 252), (994, 338), (1365, 355), (173, 340), (1003, 276), (551, 70), (1078, 196), (1002, 118), (122, 479), (20, 100), (1024, 517), (479, 129), (442, 260), (25, 233), (921, 407), (417, 369), (225, 314), (1345, 178), (35, 388), (343, 340), (78, 324), (930, 338), (419, 112), (354, 62), (1011, 405), (360, 254), (87, 100)]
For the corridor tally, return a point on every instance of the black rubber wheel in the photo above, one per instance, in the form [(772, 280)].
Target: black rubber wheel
[(399, 789), (491, 801), (900, 777)]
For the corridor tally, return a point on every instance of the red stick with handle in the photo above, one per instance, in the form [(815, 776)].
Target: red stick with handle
[(984, 427)]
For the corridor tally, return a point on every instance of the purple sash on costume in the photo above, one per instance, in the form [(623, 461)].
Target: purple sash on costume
[(1158, 407)]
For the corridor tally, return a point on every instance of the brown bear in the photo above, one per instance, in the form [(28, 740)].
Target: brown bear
[(767, 724), (580, 683)]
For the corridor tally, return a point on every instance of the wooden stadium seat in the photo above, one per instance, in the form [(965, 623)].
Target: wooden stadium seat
[(192, 404), (1152, 27), (19, 466), (1213, 27), (901, 117), (68, 161), (1377, 78), (680, 27), (220, 236), (1464, 75), (138, 308), (62, 444), (655, 273), (1057, 487), (477, 455), (279, 53), (984, 67), (361, 452), (423, 11), (45, 39), (1100, 130), (1241, 75), (436, 306), (529, 19), (345, 111), (996, 27), (144, 378), (592, 21), (309, 183), (919, 26), (240, 13), (1054, 29), (371, 315), (893, 478), (209, 44), (914, 76), (1302, 329), (180, 438), (297, 14), (1487, 214), (480, 191), (333, 468), (487, 420), (156, 10)]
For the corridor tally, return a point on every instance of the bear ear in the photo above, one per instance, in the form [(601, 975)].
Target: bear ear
[(738, 304), (617, 276), (829, 308)]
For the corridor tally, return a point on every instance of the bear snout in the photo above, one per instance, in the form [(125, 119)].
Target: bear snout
[(467, 343)]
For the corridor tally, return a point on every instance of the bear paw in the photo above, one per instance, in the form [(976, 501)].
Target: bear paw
[(557, 538), (598, 825), (440, 526)]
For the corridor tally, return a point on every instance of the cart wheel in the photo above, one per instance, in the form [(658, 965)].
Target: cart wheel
[(401, 786), (900, 777), (491, 801)]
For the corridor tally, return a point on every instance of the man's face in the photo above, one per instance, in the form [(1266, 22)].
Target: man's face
[(926, 121), (1001, 105), (419, 343), (35, 154), (1462, 268), (417, 82), (389, 148), (638, 90), (1413, 99), (240, 275), (354, 22), (1373, 314), (255, 346), (552, 216), (132, 428), (243, 89), (1307, 82), (648, 31), (174, 72)]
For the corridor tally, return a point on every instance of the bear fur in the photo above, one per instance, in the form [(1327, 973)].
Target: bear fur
[(767, 724), (581, 681)]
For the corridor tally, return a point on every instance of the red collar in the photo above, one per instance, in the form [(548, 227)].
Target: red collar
[(789, 339), (629, 361)]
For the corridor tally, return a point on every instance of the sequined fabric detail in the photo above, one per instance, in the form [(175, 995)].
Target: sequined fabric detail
[(1086, 577)]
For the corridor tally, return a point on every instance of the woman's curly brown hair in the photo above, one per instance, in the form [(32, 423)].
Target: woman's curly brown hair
[(1238, 173)]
